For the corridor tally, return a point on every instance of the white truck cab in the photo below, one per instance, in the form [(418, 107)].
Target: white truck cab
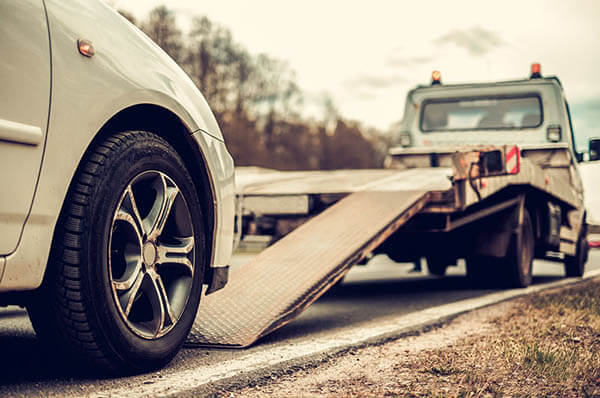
[(524, 112)]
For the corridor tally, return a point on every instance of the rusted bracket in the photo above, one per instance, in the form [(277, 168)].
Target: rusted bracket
[(216, 278)]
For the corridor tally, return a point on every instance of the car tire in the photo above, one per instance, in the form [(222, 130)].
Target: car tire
[(575, 265), (125, 273)]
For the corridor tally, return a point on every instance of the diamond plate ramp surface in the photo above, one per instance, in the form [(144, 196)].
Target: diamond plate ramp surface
[(288, 276)]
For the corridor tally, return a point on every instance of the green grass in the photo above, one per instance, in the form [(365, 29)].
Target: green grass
[(583, 297), (547, 345), (549, 362)]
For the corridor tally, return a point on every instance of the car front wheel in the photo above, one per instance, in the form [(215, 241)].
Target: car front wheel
[(125, 273)]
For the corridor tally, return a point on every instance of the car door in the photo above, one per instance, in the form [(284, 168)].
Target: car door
[(25, 79)]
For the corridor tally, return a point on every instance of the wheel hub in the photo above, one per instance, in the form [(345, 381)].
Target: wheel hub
[(149, 254)]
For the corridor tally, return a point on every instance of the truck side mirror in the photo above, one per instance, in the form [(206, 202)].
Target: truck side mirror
[(594, 147)]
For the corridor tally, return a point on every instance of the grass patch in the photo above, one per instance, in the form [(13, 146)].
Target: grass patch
[(547, 345), (549, 361), (443, 370), (573, 298)]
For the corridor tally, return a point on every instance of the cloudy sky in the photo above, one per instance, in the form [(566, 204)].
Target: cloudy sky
[(368, 54)]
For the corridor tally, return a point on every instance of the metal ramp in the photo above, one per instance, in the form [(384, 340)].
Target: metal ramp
[(288, 276)]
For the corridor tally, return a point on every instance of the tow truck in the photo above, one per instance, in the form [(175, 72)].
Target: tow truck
[(486, 172)]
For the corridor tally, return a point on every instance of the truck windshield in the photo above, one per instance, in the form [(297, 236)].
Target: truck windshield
[(481, 113)]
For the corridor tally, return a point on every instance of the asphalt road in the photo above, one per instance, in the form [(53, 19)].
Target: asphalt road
[(369, 294)]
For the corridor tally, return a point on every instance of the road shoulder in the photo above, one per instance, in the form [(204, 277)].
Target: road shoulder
[(252, 368), (544, 344)]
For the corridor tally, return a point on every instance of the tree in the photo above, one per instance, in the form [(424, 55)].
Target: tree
[(258, 104), (161, 27), (128, 16)]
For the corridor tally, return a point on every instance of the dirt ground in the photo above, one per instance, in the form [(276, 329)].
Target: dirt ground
[(547, 344)]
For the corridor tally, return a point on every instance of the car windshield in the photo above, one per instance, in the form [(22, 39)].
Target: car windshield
[(481, 113)]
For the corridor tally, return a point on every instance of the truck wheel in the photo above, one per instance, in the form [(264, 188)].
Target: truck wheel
[(126, 269), (575, 265), (517, 264), (437, 265)]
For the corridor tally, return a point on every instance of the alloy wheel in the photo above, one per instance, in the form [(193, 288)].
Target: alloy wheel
[(151, 254)]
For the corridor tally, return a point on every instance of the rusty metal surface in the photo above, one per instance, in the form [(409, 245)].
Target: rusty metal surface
[(546, 180), (287, 277), (252, 181)]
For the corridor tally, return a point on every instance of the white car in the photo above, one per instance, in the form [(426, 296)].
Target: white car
[(117, 198)]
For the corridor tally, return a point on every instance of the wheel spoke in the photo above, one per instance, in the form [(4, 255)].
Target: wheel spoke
[(127, 284), (135, 211), (124, 215), (162, 208), (176, 254), (131, 289), (125, 250), (166, 303), (160, 302)]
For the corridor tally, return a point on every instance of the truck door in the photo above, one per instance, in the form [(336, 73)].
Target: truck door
[(24, 106), (575, 155)]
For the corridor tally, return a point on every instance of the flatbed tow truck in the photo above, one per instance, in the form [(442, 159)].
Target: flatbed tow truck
[(486, 172)]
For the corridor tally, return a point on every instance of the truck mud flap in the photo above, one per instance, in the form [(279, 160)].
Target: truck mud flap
[(284, 279)]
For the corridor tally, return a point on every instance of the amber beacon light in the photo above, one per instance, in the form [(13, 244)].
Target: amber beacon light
[(436, 77), (536, 71)]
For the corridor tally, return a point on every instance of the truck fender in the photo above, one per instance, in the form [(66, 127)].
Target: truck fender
[(493, 235)]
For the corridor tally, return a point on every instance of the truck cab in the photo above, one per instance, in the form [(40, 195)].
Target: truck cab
[(523, 112)]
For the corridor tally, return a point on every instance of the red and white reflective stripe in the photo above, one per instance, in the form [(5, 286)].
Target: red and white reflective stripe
[(594, 244), (513, 160)]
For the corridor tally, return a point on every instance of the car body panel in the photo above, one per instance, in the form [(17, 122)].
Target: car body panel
[(127, 69), (25, 83)]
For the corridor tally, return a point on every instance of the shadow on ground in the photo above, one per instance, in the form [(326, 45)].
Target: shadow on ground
[(26, 359)]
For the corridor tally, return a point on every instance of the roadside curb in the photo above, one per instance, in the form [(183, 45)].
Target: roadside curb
[(259, 368)]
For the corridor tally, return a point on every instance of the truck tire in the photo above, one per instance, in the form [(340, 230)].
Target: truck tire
[(437, 265), (125, 272), (575, 265), (516, 266), (513, 270)]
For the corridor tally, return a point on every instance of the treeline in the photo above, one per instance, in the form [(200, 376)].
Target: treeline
[(258, 103)]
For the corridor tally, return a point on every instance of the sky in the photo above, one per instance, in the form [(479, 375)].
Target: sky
[(368, 54)]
